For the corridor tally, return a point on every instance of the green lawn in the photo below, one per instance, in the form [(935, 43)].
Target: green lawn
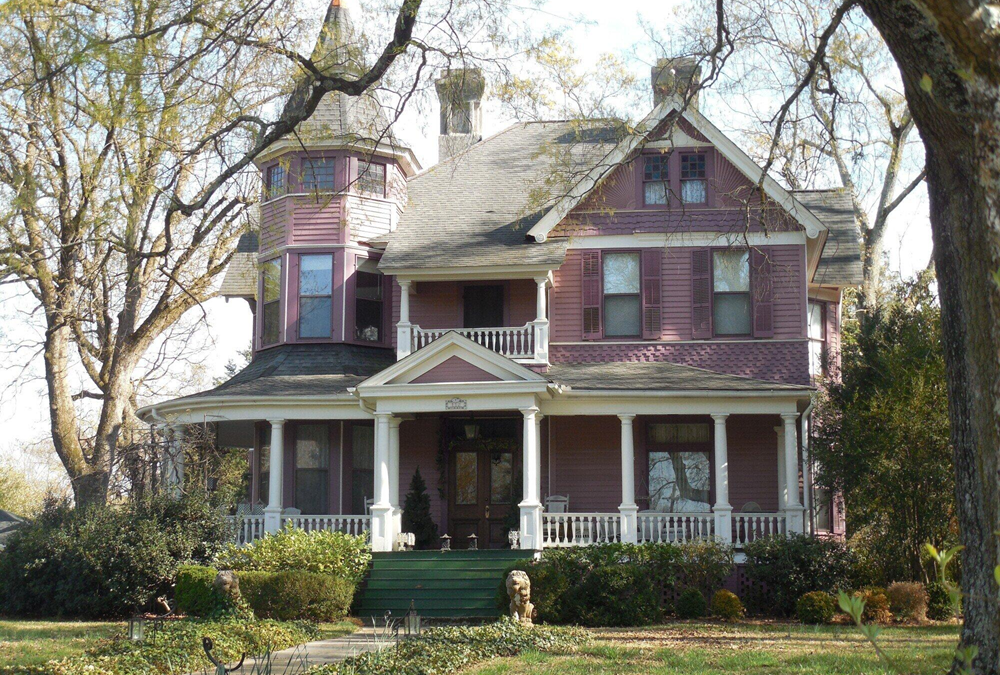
[(713, 649), (328, 631), (27, 643)]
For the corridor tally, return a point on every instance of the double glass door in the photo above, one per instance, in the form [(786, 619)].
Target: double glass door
[(482, 493)]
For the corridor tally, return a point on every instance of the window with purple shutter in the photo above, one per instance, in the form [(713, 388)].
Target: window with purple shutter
[(652, 325), (763, 292), (701, 293)]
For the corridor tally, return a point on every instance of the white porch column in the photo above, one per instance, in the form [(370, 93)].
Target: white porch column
[(541, 322), (807, 476), (628, 508), (175, 464), (381, 511), (404, 329), (531, 504), (782, 494), (793, 510), (722, 509), (397, 512), (272, 512)]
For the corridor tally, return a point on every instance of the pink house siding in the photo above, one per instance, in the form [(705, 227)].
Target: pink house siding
[(438, 304), (455, 370), (753, 461), (316, 220), (418, 447), (585, 462), (274, 223)]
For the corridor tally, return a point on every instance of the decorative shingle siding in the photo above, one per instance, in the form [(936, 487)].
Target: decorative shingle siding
[(784, 361)]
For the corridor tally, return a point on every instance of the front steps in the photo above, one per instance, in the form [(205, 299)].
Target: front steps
[(441, 584)]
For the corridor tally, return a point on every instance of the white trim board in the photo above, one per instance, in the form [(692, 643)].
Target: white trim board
[(685, 239)]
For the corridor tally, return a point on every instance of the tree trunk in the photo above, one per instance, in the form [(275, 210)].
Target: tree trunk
[(950, 73)]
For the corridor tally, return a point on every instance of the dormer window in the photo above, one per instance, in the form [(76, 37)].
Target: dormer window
[(271, 295), (656, 179), (274, 181), (315, 295), (371, 179), (461, 118), (317, 175), (694, 183)]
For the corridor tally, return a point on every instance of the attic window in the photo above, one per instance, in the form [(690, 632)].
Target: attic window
[(694, 186), (274, 181), (655, 179), (371, 179)]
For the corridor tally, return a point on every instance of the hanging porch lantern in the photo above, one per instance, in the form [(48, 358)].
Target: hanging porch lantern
[(411, 622)]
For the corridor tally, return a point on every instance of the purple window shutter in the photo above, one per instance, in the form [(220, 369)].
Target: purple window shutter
[(762, 288), (591, 263), (701, 293), (652, 325)]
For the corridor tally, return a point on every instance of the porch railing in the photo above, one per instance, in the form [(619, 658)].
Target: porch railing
[(748, 527), (560, 530), (248, 528), (674, 527), (515, 343), (347, 524)]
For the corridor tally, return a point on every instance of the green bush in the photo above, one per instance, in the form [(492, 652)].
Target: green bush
[(296, 595), (726, 605), (105, 562), (816, 607), (908, 600), (177, 648), (876, 605), (325, 552), (782, 569), (440, 651), (939, 605), (564, 593), (617, 596), (194, 593), (691, 604)]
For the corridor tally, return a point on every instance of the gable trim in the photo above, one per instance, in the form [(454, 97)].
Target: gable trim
[(722, 143)]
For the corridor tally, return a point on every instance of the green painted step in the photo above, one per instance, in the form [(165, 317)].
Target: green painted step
[(453, 584)]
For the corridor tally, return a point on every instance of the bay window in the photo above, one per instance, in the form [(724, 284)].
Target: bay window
[(312, 468), (368, 302), (274, 181), (694, 184), (817, 338), (622, 304), (371, 179), (271, 306), (655, 179), (731, 292), (317, 175), (315, 295)]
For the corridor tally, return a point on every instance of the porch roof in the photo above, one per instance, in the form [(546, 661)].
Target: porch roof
[(657, 376)]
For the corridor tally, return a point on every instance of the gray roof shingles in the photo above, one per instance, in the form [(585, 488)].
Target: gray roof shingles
[(656, 376), (476, 208), (840, 263)]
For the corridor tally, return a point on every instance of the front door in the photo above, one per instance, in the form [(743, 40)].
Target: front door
[(482, 491)]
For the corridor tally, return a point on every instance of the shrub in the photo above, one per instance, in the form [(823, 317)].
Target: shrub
[(726, 605), (342, 555), (617, 596), (908, 600), (691, 604), (105, 562), (194, 593), (876, 605), (939, 605), (560, 580), (417, 513), (782, 569), (816, 607), (296, 595), (446, 650)]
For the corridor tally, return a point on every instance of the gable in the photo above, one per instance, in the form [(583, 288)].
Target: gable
[(455, 369)]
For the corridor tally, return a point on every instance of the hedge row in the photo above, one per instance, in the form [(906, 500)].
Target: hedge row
[(284, 596)]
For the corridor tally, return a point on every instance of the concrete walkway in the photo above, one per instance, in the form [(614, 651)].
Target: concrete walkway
[(320, 652)]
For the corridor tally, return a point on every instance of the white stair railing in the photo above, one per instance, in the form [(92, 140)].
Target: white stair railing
[(513, 342), (674, 527), (560, 530), (748, 527)]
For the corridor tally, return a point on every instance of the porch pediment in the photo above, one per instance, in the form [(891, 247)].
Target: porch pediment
[(452, 358)]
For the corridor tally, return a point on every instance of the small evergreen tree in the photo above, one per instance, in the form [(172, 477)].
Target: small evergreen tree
[(417, 513)]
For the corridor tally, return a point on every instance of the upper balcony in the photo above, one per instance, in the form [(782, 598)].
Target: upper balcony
[(508, 317)]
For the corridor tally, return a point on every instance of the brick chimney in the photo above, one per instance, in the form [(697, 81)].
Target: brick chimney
[(674, 77), (460, 91)]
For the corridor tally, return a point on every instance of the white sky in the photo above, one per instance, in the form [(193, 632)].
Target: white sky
[(614, 28)]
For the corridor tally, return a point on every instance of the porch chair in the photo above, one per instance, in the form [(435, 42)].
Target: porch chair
[(555, 504)]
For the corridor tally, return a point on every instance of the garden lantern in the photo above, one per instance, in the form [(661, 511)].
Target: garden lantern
[(514, 537), (473, 542), (445, 542), (137, 628), (411, 622)]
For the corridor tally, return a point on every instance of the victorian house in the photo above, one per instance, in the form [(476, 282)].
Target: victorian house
[(630, 356)]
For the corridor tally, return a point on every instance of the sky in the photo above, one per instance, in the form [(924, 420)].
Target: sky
[(612, 27)]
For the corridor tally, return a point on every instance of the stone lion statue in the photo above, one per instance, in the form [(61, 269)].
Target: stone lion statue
[(519, 592), (227, 584)]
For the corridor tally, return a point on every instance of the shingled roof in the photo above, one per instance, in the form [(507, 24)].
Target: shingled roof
[(660, 376), (303, 370), (240, 280), (840, 263), (475, 209)]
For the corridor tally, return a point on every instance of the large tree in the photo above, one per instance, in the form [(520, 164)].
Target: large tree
[(128, 131)]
